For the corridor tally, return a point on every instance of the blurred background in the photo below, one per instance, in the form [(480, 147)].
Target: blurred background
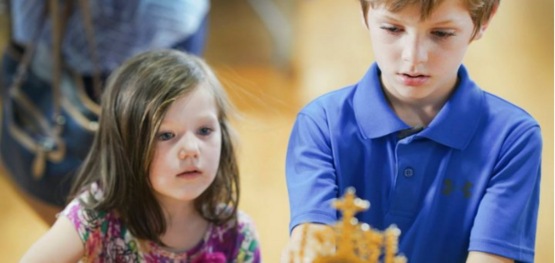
[(276, 56)]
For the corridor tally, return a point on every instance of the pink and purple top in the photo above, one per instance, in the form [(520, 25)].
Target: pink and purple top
[(106, 239)]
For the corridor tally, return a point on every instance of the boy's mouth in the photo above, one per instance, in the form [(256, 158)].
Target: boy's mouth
[(413, 79)]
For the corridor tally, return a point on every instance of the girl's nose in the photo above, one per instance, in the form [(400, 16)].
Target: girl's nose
[(189, 147)]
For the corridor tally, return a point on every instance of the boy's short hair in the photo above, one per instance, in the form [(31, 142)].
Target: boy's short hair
[(480, 10)]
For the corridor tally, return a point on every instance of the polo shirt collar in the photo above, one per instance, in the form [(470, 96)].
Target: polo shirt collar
[(373, 113), (454, 125), (457, 121)]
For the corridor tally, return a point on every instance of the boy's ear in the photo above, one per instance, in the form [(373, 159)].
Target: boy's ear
[(485, 25)]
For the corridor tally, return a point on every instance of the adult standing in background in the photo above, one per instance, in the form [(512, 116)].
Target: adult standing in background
[(121, 29)]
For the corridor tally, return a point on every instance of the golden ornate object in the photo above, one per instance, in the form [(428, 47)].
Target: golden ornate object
[(356, 243)]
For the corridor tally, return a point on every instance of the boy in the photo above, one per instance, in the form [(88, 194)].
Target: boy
[(455, 168)]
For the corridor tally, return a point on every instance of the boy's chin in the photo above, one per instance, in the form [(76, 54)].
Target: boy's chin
[(411, 93)]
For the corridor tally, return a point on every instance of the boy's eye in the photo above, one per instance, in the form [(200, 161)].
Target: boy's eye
[(443, 34), (205, 131), (165, 136), (391, 29)]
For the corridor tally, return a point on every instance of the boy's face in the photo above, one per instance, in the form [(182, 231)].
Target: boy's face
[(419, 59)]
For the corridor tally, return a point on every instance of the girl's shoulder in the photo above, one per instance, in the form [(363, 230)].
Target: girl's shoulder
[(99, 231), (86, 220), (249, 248), (246, 224), (242, 230), (241, 224)]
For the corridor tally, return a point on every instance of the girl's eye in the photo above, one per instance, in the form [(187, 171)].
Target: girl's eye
[(165, 136), (205, 131), (392, 29), (443, 34)]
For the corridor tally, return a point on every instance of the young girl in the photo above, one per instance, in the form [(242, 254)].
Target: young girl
[(161, 182)]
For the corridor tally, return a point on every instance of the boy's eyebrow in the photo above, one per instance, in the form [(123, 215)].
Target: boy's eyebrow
[(447, 21), (442, 22), (390, 17)]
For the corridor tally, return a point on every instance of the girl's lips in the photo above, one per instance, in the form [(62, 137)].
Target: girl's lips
[(414, 81), (189, 174)]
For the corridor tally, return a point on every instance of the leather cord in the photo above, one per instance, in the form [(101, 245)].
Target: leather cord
[(87, 21)]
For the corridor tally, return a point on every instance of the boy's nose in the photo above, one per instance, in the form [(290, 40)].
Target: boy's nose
[(188, 147), (414, 51)]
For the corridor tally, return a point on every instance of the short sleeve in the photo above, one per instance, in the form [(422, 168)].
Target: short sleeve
[(249, 249), (80, 218), (506, 220), (87, 223), (311, 176)]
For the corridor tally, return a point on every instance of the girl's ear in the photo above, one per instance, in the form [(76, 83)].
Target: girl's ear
[(485, 25)]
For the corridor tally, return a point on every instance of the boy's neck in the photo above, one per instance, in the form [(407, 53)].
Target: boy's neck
[(419, 112), (415, 114)]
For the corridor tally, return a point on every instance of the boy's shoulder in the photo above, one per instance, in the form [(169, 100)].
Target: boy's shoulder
[(498, 109), (330, 101)]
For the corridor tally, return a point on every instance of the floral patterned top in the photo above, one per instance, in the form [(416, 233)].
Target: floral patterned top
[(106, 239)]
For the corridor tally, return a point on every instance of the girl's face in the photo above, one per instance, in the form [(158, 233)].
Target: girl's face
[(188, 148), (419, 59)]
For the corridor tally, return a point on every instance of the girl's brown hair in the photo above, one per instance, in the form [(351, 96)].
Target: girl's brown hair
[(137, 97), (480, 10)]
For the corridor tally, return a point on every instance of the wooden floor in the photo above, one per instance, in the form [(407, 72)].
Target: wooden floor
[(331, 49)]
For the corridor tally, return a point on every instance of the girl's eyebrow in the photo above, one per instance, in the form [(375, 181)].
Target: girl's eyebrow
[(201, 118)]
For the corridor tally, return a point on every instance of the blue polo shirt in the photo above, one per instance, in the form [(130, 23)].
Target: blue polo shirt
[(467, 182)]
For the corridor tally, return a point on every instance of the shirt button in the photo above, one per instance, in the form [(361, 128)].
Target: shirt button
[(408, 172)]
